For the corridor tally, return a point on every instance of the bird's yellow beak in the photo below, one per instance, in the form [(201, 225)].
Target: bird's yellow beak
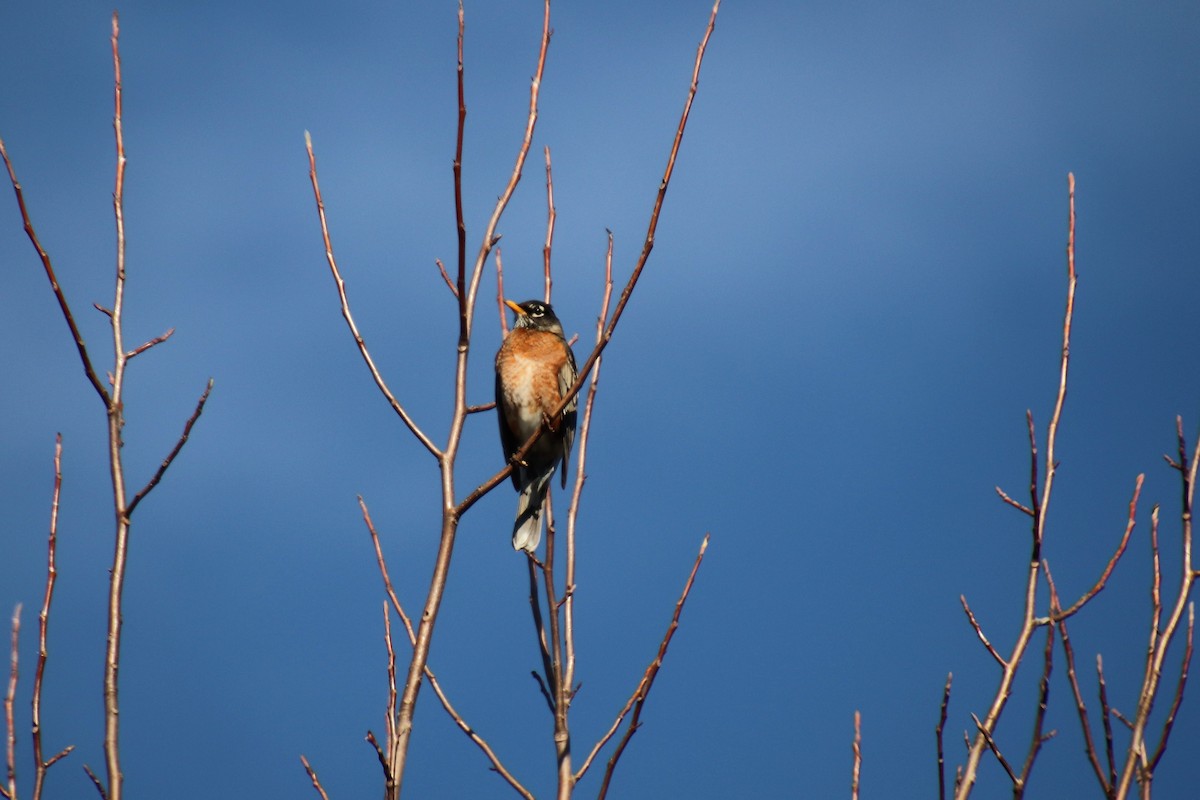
[(520, 311)]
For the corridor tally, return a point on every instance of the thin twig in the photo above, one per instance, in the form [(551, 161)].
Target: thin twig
[(991, 743), (434, 684), (96, 782), (979, 631), (1169, 723), (345, 304), (1039, 720), (941, 726), (857, 750), (1015, 504), (1040, 507), (10, 695), (63, 306), (1112, 562), (312, 775), (166, 462), (638, 699), (39, 762), (446, 277), (1073, 679), (147, 345), (551, 216)]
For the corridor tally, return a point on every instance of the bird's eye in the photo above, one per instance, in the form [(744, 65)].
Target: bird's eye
[(537, 311)]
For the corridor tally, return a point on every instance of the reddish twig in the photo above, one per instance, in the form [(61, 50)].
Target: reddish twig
[(1112, 562), (63, 306), (10, 695), (166, 462), (941, 726), (857, 750), (979, 631), (551, 216), (312, 775), (345, 304), (1039, 720), (1039, 506), (147, 345), (638, 699), (446, 277), (1073, 679), (40, 763)]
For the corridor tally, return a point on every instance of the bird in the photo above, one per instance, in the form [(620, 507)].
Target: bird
[(534, 370)]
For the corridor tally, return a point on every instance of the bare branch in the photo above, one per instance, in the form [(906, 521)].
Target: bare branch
[(10, 695), (1039, 507), (857, 750), (1022, 508), (147, 345), (40, 763), (63, 306), (429, 674), (96, 782), (312, 776), (1112, 562), (1038, 738), (638, 699), (941, 726), (551, 216), (1169, 723), (979, 631), (991, 743), (345, 303), (446, 277), (1073, 679), (166, 462)]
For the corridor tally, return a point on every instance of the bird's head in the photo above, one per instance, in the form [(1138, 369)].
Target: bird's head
[(535, 314)]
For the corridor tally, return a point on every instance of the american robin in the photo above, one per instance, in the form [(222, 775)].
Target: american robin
[(534, 369)]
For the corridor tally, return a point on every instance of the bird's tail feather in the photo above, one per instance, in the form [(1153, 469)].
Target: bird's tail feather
[(527, 529)]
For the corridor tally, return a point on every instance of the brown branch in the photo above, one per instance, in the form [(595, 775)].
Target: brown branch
[(10, 695), (857, 750), (1112, 562), (312, 776), (488, 406), (1137, 763), (166, 462), (63, 306), (345, 304), (1169, 723), (1073, 679), (40, 763), (116, 422), (991, 743), (147, 345), (638, 699), (1108, 712), (979, 631), (433, 681), (96, 782), (1039, 507), (941, 726), (446, 277), (551, 216), (501, 306), (391, 673), (1022, 508), (1038, 738)]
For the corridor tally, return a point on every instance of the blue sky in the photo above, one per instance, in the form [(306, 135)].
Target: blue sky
[(855, 294)]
